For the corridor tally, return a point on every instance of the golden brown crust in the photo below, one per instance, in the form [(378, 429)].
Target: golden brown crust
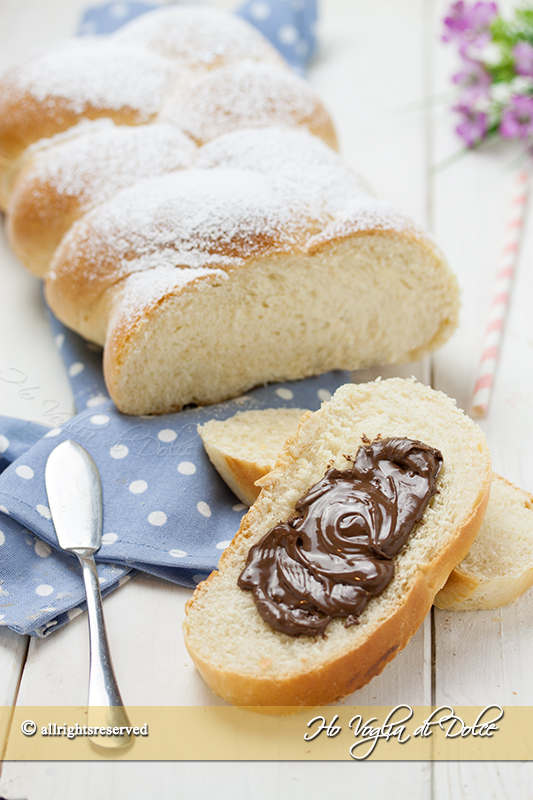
[(38, 218), (94, 261), (102, 248), (355, 668), (24, 119), (470, 589), (457, 588), (357, 662), (244, 475), (253, 95)]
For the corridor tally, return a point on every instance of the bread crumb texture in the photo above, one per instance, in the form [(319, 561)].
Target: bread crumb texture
[(228, 639), (177, 187), (499, 566)]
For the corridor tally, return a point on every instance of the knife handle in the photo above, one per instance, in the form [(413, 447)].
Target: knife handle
[(104, 706)]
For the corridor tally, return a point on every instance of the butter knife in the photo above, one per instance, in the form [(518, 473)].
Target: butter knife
[(75, 497)]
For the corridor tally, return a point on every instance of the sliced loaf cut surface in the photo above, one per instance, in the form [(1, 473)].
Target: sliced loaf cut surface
[(209, 281), (499, 565), (248, 663), (245, 447)]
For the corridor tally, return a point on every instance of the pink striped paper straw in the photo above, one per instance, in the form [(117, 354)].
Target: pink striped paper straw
[(501, 294)]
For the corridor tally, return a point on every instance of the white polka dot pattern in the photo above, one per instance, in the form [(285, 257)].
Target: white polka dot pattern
[(44, 511), (223, 545), (119, 451), (119, 10), (100, 419), (44, 590), (42, 549), (4, 444), (288, 34), (260, 11), (203, 508), (23, 471), (138, 487), (96, 400), (157, 518), (284, 393), (54, 432), (186, 468), (166, 435), (75, 369)]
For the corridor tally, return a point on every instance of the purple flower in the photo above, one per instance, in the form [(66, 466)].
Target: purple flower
[(474, 79), (523, 59), (517, 120), (456, 23), (473, 125), (469, 22)]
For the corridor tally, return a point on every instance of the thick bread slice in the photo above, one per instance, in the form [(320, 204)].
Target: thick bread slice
[(499, 565), (248, 663), (245, 447)]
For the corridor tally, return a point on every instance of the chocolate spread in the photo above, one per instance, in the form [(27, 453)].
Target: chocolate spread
[(336, 553)]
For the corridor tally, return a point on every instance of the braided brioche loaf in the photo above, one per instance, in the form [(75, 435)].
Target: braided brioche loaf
[(175, 185)]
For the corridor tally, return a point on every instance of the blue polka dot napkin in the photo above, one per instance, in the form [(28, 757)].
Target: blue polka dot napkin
[(166, 510)]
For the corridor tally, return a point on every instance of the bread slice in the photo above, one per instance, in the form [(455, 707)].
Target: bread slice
[(499, 565), (247, 662), (245, 447)]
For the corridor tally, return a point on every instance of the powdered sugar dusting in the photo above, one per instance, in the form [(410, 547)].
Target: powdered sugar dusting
[(140, 290), (365, 214), (105, 158), (200, 218), (295, 155), (245, 95), (197, 36), (79, 129), (88, 73)]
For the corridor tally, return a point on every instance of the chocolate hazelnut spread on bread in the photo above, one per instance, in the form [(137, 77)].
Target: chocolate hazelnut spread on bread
[(337, 552)]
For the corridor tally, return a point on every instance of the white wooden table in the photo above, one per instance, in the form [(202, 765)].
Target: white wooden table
[(375, 57)]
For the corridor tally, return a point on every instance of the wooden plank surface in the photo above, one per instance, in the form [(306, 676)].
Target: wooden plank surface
[(470, 200), (374, 58), (483, 657)]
